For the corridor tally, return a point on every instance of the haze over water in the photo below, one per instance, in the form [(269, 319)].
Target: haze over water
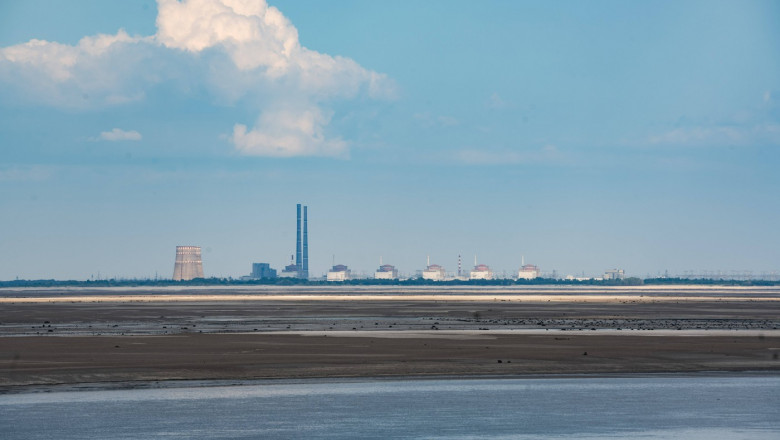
[(655, 407)]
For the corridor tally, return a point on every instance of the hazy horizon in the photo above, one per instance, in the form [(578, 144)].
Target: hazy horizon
[(583, 136)]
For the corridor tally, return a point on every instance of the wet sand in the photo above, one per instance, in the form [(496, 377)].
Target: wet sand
[(128, 335), (78, 359)]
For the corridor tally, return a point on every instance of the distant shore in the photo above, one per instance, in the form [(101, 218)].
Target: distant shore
[(135, 335), (715, 280)]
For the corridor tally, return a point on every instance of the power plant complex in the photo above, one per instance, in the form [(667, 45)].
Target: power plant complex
[(189, 264)]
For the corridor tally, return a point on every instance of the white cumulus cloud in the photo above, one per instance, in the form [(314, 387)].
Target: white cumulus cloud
[(118, 134), (235, 49), (285, 133), (253, 33), (98, 71)]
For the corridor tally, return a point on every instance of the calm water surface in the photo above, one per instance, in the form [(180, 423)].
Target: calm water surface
[(693, 407)]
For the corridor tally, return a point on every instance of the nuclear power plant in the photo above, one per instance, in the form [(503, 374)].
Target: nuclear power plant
[(189, 264)]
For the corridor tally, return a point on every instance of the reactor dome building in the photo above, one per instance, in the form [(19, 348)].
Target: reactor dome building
[(481, 272), (189, 264), (386, 272), (434, 272), (528, 271), (339, 272)]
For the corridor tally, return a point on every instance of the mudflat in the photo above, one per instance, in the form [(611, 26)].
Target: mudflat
[(70, 336)]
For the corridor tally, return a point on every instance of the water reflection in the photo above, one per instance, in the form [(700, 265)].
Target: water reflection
[(651, 407)]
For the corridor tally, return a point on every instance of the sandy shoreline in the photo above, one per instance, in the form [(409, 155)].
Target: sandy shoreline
[(367, 298), (327, 288), (54, 337)]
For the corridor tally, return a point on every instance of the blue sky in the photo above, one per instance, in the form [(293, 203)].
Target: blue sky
[(581, 135)]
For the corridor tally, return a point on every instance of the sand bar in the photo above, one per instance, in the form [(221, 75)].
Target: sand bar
[(50, 361)]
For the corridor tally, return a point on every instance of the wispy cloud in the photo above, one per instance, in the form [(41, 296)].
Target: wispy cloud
[(754, 125), (719, 135), (234, 49), (771, 96), (118, 134), (22, 173), (428, 120), (546, 154), (496, 102)]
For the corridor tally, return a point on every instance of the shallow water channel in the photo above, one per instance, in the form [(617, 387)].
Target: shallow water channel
[(650, 407)]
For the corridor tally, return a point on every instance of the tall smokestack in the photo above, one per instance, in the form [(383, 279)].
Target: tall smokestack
[(305, 243), (298, 262)]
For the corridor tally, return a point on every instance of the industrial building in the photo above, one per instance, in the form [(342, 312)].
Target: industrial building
[(339, 272), (434, 272), (386, 272), (189, 264), (528, 271), (262, 270), (480, 272), (291, 270), (614, 274)]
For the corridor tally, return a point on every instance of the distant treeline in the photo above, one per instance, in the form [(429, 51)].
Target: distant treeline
[(631, 281)]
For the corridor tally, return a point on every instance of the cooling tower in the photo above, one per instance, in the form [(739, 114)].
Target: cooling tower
[(188, 263)]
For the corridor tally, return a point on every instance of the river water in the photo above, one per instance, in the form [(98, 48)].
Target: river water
[(647, 407)]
